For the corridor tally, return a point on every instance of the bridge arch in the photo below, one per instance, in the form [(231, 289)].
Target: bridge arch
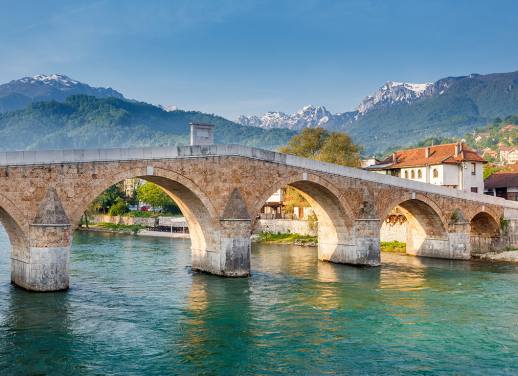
[(334, 216), (485, 232), (16, 228), (425, 230), (197, 208)]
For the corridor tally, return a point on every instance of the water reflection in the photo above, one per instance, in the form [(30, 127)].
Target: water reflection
[(36, 333), (136, 308), (210, 330)]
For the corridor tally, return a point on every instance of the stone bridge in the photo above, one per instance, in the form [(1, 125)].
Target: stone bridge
[(221, 189)]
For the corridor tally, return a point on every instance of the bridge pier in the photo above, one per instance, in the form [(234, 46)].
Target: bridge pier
[(453, 245), (230, 256), (362, 247), (43, 265)]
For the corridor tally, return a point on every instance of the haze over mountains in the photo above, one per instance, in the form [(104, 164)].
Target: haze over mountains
[(402, 113), (59, 112), (55, 111)]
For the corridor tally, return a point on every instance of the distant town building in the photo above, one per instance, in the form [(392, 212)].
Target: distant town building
[(489, 153), (509, 154), (272, 209), (450, 165), (131, 185)]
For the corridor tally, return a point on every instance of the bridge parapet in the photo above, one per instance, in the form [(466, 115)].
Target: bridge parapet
[(45, 157)]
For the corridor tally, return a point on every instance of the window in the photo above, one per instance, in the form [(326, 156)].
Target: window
[(473, 168), (412, 174), (419, 174), (474, 189), (406, 174), (435, 173)]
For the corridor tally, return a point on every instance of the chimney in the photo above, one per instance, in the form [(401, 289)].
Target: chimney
[(394, 158), (427, 152), (458, 149), (202, 134)]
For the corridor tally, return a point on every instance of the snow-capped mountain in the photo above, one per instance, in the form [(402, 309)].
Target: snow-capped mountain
[(307, 116), (395, 92), (19, 93), (311, 116)]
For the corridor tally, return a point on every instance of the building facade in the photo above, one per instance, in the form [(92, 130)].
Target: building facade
[(450, 165), (509, 154)]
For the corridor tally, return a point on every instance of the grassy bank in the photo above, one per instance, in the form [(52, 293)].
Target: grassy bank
[(113, 227), (292, 238), (394, 246), (278, 238)]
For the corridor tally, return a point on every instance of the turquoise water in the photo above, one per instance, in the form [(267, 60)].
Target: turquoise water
[(135, 308)]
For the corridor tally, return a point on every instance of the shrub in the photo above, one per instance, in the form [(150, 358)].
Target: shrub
[(118, 208)]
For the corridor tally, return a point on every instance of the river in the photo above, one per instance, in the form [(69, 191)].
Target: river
[(135, 307)]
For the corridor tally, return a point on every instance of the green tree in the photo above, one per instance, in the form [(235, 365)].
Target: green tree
[(153, 195), (106, 199), (490, 169), (339, 149), (319, 144), (120, 207), (307, 143)]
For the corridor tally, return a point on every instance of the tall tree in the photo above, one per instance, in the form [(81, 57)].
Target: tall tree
[(106, 199), (339, 149), (317, 143), (307, 143)]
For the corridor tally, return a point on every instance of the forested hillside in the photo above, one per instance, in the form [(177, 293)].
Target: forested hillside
[(89, 122)]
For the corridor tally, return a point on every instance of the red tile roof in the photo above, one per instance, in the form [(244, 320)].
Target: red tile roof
[(438, 154)]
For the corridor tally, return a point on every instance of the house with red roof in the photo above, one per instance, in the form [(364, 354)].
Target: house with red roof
[(451, 165)]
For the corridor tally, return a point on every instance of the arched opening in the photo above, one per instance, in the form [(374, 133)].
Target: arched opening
[(484, 233), (333, 219), (15, 244), (17, 237), (414, 227), (195, 208)]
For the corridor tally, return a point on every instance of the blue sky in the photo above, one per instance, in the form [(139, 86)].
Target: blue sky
[(247, 57)]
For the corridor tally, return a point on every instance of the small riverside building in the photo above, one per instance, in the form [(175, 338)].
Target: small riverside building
[(450, 165), (503, 184)]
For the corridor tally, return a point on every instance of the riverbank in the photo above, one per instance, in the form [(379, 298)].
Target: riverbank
[(506, 256), (312, 241), (132, 230), (285, 238)]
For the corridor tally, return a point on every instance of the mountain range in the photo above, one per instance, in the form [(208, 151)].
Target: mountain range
[(56, 112), (400, 113)]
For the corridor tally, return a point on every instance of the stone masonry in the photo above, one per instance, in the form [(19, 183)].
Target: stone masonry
[(221, 189)]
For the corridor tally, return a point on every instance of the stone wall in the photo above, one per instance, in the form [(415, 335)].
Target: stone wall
[(285, 226), (123, 220), (147, 222), (393, 232)]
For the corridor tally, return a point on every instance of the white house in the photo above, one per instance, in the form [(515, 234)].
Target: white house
[(450, 165), (509, 154)]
